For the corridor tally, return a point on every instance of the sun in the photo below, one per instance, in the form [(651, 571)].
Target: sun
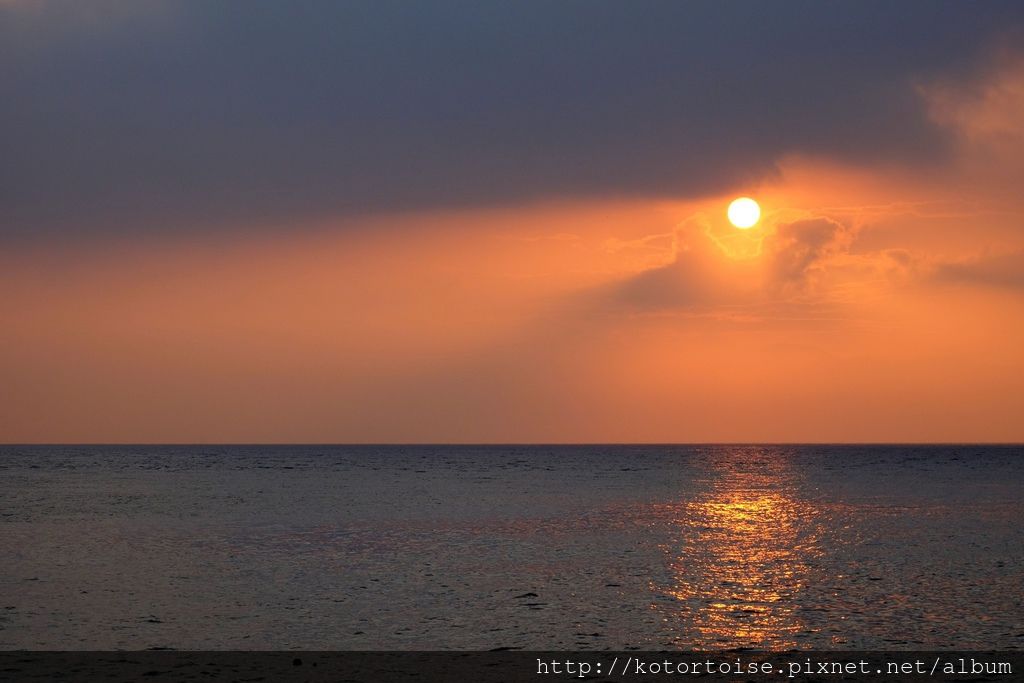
[(744, 213)]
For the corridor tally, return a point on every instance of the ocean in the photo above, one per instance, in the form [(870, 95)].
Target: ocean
[(534, 547)]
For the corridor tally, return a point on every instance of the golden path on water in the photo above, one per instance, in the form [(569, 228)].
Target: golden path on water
[(746, 552)]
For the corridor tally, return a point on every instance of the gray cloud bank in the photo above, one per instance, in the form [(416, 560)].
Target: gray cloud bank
[(700, 275), (152, 116), (998, 270)]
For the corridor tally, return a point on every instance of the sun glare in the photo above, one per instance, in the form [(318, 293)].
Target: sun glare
[(744, 213)]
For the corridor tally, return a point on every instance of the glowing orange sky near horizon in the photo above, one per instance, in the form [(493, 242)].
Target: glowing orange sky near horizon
[(867, 305)]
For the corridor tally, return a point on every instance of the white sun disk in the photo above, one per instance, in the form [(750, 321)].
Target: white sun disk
[(744, 213)]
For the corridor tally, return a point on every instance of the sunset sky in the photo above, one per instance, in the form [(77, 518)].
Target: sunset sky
[(506, 222)]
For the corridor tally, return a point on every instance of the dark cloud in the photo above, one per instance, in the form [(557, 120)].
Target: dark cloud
[(702, 275), (689, 280), (796, 250), (155, 116), (997, 270)]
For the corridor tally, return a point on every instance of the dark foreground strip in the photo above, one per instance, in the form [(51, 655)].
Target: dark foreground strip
[(510, 666)]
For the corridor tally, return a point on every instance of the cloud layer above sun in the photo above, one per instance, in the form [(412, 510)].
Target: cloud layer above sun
[(158, 116)]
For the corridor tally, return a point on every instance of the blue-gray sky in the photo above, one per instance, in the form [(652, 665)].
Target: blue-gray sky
[(157, 117)]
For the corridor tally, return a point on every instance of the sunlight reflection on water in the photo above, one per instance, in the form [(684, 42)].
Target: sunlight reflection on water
[(744, 553)]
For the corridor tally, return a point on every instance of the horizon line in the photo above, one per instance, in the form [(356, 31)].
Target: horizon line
[(517, 443)]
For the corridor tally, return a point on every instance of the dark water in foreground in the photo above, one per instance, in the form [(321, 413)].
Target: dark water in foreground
[(537, 547)]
